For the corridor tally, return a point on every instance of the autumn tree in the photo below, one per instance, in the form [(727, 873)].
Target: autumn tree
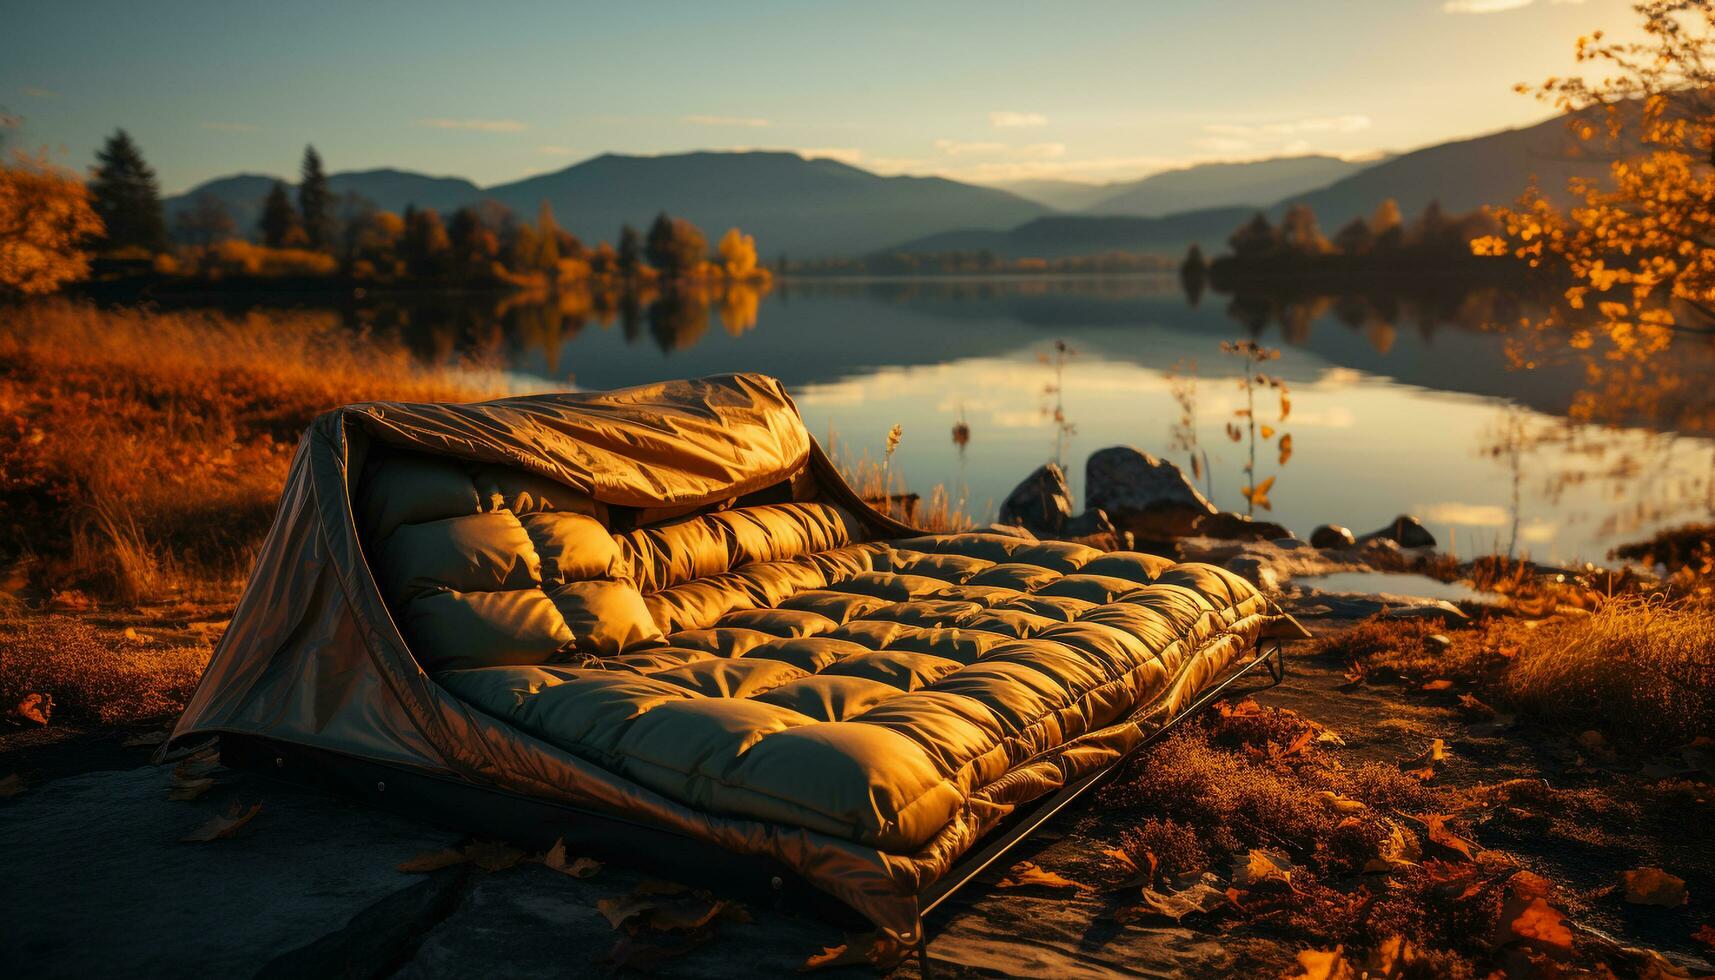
[(46, 219), (1388, 226), (279, 221), (205, 221), (127, 196), (475, 246), (738, 254), (546, 256), (1637, 247), (1300, 233), (315, 201)]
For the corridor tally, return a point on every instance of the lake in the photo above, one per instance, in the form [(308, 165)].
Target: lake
[(1395, 407)]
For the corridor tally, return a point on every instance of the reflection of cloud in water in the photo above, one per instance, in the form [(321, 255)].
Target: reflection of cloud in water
[(1338, 377), (1469, 515), (1538, 532)]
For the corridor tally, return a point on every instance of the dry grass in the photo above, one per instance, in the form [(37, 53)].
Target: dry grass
[(144, 451), (98, 675), (1639, 669), (1636, 666)]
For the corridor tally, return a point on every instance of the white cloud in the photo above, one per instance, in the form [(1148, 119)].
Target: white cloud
[(557, 151), (747, 122), (1222, 144), (1041, 151), (1008, 119), (1295, 127), (1469, 515), (230, 127), (476, 125), (956, 148)]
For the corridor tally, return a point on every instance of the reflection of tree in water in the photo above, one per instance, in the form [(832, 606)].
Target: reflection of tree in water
[(1379, 312)]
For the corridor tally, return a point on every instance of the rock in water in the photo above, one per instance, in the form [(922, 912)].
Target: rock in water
[(1406, 530), (1332, 536), (1143, 494), (1042, 504)]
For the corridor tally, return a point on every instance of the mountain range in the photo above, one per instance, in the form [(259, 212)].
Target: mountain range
[(820, 208)]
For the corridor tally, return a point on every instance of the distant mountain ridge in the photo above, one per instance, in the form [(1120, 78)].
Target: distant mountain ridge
[(1462, 175), (792, 205)]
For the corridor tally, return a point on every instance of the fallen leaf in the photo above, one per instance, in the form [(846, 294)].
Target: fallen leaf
[(867, 949), (1142, 872), (430, 861), (1435, 825), (1201, 898), (1538, 924), (1324, 964), (619, 911), (1328, 736), (1261, 865), (1298, 745), (694, 913), (1339, 804), (224, 826), (136, 637), (1441, 684), (1653, 886), (582, 867), (11, 786), (36, 708), (1028, 875)]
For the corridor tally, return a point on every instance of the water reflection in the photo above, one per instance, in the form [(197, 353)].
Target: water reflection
[(1403, 399)]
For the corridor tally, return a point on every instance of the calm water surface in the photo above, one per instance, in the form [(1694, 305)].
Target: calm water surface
[(1392, 411)]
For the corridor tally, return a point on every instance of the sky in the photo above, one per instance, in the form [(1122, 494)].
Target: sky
[(986, 91)]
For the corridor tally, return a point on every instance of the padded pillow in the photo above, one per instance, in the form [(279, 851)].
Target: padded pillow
[(572, 547), (480, 553), (604, 616), (410, 488), (484, 629)]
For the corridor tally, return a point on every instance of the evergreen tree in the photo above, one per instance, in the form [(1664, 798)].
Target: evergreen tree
[(1255, 238), (205, 222), (1194, 273), (547, 255), (658, 248), (127, 197), (1355, 238), (630, 252), (315, 201), (426, 247), (279, 222)]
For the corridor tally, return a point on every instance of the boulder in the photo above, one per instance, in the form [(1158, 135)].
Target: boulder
[(1406, 531), (1143, 494), (1090, 522), (1042, 504), (1332, 536), (1228, 526), (1255, 569)]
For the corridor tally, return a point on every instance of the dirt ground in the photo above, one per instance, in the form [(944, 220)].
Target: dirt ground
[(82, 799)]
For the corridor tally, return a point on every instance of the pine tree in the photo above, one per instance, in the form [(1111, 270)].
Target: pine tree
[(127, 197), (1256, 237), (630, 252), (315, 201), (658, 248), (279, 221)]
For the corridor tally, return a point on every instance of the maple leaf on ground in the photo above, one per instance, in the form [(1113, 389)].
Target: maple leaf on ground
[(1653, 886), (224, 826), (1528, 920), (34, 708), (619, 911), (1435, 827), (1260, 865), (871, 949), (1201, 898), (555, 860), (1142, 869), (1027, 875)]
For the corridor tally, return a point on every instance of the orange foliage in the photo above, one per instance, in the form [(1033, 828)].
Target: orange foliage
[(45, 219)]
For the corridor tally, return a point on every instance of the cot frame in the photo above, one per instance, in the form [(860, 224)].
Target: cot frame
[(535, 823)]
